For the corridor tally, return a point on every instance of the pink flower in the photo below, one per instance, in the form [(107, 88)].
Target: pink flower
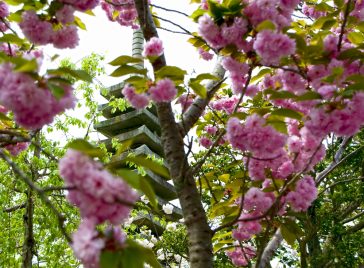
[(86, 244), (4, 10), (272, 54), (153, 48), (212, 130), (304, 194), (205, 142), (98, 194), (82, 5), (163, 91), (67, 37), (205, 54), (17, 148), (138, 101), (65, 14), (33, 107), (37, 31)]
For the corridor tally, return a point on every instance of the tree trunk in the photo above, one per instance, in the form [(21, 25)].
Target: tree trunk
[(198, 230), (28, 245)]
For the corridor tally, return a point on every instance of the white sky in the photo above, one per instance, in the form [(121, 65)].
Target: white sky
[(112, 40)]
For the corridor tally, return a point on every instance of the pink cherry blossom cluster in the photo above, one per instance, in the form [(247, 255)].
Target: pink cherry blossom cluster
[(153, 48), (101, 198), (220, 36), (17, 148), (238, 72), (163, 91), (241, 255), (96, 186), (303, 195), (211, 131), (277, 11), (33, 105), (272, 54), (205, 55), (185, 100), (82, 5), (41, 32), (250, 136), (247, 226), (4, 12), (87, 242), (122, 11), (226, 104)]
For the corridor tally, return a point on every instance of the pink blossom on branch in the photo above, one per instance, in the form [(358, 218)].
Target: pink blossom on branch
[(96, 186), (164, 91), (4, 10), (153, 48), (271, 47), (138, 101)]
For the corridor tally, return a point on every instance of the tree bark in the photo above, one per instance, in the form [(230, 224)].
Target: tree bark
[(269, 250), (198, 231), (28, 245)]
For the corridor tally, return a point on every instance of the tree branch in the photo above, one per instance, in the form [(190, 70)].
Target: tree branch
[(191, 116), (270, 249), (12, 209)]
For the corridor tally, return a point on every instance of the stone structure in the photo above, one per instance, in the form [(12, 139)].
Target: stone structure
[(142, 128)]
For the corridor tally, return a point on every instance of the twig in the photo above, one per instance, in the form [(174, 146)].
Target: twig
[(342, 30), (170, 10)]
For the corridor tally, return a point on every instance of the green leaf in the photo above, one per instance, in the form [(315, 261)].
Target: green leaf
[(205, 76), (172, 72), (140, 255), (127, 69), (287, 113), (311, 95), (86, 148), (11, 38), (150, 164), (260, 75), (27, 66), (356, 37), (352, 54), (266, 25), (277, 95), (78, 74), (57, 91), (199, 89), (139, 183), (80, 23), (124, 60), (288, 235), (110, 259)]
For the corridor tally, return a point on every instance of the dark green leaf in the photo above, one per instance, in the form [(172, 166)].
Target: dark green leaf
[(109, 259), (139, 183), (124, 60), (85, 147), (127, 69), (287, 113), (150, 164), (172, 72)]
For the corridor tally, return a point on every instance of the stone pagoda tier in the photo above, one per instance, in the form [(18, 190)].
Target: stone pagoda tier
[(143, 129)]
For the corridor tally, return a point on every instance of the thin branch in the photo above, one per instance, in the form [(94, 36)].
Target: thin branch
[(170, 10), (173, 23), (339, 182), (342, 30), (171, 31), (323, 174), (353, 218), (12, 209)]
